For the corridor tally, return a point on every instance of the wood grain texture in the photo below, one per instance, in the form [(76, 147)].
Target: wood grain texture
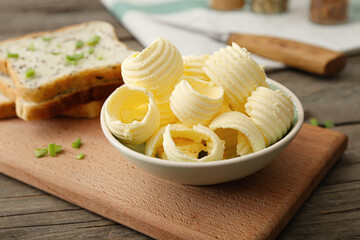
[(257, 207), (298, 55)]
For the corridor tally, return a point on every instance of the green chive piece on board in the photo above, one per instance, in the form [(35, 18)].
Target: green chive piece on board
[(329, 124), (79, 44), (314, 122), (29, 72), (77, 143), (58, 149), (52, 149), (40, 152), (100, 58), (80, 156), (13, 55)]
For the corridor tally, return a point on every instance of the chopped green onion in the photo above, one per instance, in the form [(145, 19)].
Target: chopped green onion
[(52, 149), (58, 46), (46, 39), (100, 58), (32, 47), (79, 44), (77, 143), (58, 149), (12, 55), (80, 156), (91, 50), (72, 59), (71, 62), (314, 122), (329, 124), (40, 152), (94, 40), (29, 72), (75, 57), (55, 53)]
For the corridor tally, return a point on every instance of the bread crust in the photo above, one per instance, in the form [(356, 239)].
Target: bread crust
[(7, 110), (58, 105), (3, 65), (88, 110), (73, 82)]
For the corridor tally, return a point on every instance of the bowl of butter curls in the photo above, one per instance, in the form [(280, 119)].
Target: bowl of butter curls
[(199, 120)]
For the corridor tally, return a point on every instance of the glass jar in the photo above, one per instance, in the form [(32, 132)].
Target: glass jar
[(328, 11), (225, 5)]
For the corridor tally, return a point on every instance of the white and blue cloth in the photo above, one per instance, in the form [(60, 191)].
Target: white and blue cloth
[(145, 20)]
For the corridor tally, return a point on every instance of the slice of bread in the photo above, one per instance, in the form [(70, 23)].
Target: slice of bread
[(7, 107), (32, 111), (45, 65), (88, 110), (8, 96)]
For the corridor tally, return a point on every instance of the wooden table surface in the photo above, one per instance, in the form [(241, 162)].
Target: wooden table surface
[(331, 212)]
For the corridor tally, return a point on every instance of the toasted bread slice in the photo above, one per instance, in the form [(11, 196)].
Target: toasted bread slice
[(45, 65), (7, 107), (58, 105)]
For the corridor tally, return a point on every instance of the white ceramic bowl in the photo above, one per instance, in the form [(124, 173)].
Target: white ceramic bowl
[(207, 173)]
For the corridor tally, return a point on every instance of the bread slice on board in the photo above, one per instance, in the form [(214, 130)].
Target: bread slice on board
[(8, 95), (88, 110), (7, 107), (45, 65), (56, 106)]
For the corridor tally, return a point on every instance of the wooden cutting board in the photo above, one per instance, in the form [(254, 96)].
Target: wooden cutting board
[(256, 207)]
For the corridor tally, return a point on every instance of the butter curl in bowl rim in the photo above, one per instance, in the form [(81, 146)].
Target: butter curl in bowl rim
[(186, 144), (271, 111), (238, 130), (237, 73), (131, 114), (195, 101), (157, 68), (193, 66)]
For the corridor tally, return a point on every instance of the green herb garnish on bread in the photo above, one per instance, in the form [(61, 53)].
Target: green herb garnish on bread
[(69, 77)]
